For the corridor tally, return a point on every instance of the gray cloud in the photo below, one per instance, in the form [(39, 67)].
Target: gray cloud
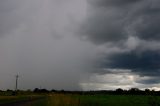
[(129, 32), (150, 80), (112, 2), (103, 26), (29, 45), (146, 63), (116, 23)]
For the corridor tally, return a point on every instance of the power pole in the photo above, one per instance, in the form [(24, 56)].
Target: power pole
[(17, 76)]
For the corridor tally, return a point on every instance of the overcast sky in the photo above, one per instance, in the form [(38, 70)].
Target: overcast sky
[(80, 44)]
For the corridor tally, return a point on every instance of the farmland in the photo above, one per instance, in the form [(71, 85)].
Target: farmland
[(60, 99), (21, 100), (103, 100)]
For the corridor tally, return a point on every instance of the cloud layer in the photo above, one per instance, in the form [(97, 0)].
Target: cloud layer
[(119, 39), (37, 42), (114, 20), (129, 33)]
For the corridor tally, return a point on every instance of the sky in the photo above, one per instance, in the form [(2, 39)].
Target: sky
[(80, 44)]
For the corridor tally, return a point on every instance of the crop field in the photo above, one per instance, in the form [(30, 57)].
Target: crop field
[(80, 100), (102, 100)]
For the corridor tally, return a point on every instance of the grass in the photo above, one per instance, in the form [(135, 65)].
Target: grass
[(20, 98), (62, 100), (86, 100), (102, 100), (40, 102)]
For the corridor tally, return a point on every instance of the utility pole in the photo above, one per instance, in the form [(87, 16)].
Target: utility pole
[(17, 76)]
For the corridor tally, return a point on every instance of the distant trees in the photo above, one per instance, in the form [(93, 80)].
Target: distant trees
[(119, 91), (37, 90), (134, 90)]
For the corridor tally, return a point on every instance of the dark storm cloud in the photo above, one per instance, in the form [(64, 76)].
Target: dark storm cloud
[(146, 63), (149, 28), (152, 80), (116, 20), (102, 26), (129, 30)]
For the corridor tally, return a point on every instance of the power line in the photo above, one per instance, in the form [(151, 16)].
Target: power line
[(17, 76)]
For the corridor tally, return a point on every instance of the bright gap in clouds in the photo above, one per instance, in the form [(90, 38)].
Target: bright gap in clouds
[(115, 79)]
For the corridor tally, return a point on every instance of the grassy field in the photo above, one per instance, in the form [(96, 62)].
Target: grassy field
[(22, 99), (102, 100), (86, 100)]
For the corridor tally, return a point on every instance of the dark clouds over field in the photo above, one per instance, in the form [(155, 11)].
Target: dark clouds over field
[(88, 44), (116, 20)]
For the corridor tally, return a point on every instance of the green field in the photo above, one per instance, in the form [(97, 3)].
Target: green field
[(103, 100), (84, 100)]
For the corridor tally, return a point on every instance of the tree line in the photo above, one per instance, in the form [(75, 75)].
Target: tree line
[(119, 91)]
